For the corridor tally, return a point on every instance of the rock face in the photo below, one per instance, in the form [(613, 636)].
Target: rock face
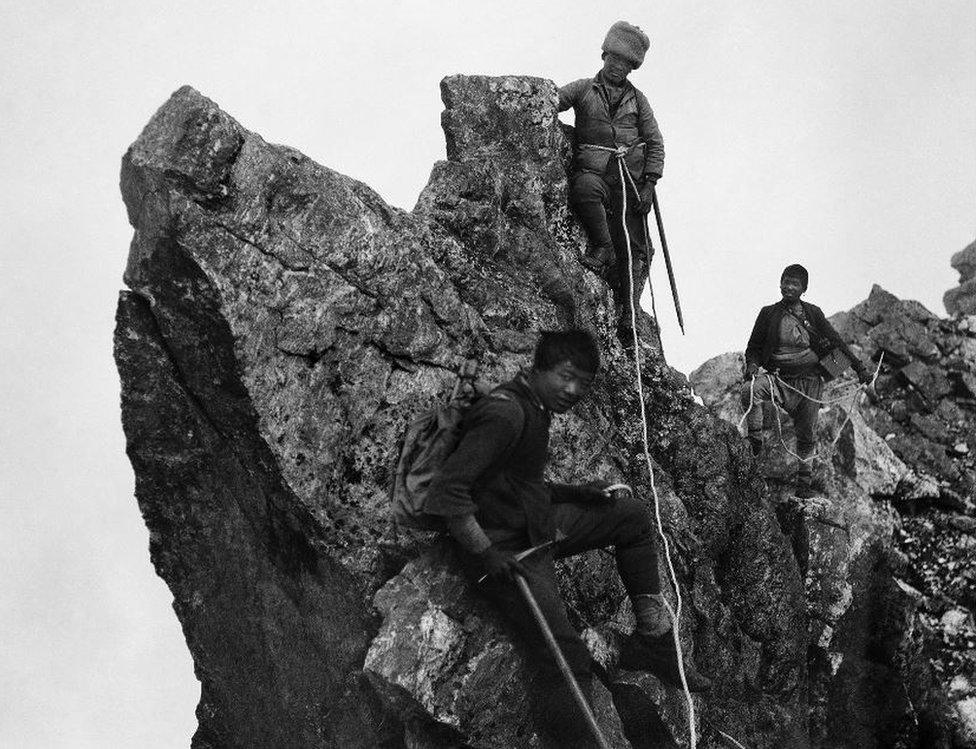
[(283, 324), (962, 299), (890, 581)]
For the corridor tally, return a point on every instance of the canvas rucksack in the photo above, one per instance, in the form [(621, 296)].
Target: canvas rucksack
[(427, 442)]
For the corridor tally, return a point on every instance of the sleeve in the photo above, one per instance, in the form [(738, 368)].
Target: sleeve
[(565, 493), (467, 532), (491, 430), (569, 94), (826, 330), (650, 134), (757, 339)]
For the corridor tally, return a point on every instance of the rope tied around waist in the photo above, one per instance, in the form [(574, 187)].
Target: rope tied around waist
[(618, 151), (853, 394)]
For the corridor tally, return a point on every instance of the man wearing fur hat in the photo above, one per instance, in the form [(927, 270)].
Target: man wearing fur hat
[(612, 115), (785, 342)]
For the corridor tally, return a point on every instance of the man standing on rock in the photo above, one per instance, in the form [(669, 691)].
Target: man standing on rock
[(785, 340), (615, 127), (495, 502)]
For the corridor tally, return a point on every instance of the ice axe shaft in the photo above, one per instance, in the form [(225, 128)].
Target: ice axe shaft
[(667, 261), (561, 661)]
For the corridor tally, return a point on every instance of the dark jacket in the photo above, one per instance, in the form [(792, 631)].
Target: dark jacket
[(496, 471), (630, 122), (765, 334)]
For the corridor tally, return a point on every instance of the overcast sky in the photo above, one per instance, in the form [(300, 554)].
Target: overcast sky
[(841, 135)]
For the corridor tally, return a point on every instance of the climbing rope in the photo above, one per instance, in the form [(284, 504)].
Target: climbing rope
[(676, 611)]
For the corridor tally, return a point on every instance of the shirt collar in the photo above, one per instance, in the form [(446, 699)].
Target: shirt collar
[(522, 380)]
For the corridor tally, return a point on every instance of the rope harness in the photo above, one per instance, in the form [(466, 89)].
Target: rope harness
[(854, 394)]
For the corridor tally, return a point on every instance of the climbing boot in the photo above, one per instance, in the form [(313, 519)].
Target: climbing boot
[(597, 258), (658, 655)]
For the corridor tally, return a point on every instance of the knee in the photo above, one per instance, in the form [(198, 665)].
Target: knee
[(587, 188), (635, 518)]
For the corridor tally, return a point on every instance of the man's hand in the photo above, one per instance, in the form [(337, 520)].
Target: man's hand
[(864, 376), (498, 564), (647, 196), (751, 369), (596, 491)]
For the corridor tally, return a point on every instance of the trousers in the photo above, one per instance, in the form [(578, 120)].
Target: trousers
[(625, 525), (803, 411), (598, 202)]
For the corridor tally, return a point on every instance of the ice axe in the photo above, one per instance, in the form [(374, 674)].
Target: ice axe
[(540, 619), (534, 550), (667, 258)]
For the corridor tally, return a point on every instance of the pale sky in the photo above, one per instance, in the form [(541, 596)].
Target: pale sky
[(839, 135)]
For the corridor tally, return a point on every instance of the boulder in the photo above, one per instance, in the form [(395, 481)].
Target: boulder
[(443, 660)]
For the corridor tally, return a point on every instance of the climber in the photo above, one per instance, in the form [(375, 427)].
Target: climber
[(494, 500), (612, 114), (787, 341)]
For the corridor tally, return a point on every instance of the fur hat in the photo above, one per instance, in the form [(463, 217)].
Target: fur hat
[(628, 41), (796, 271)]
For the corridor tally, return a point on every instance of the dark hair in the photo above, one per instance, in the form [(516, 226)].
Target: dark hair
[(796, 271), (576, 346)]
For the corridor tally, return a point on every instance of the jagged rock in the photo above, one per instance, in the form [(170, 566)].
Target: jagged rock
[(654, 714), (284, 323), (883, 323), (899, 446), (962, 299)]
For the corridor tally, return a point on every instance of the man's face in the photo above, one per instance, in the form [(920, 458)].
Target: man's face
[(561, 387), (615, 68), (791, 288)]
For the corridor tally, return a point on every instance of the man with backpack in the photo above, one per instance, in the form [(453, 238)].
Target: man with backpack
[(495, 502), (787, 341)]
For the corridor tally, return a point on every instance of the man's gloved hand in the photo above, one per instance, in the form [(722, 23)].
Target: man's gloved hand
[(498, 564), (647, 195), (864, 376), (751, 369)]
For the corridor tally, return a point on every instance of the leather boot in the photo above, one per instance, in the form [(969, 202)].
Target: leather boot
[(658, 655), (597, 258)]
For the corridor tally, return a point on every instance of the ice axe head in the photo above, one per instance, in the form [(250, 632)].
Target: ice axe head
[(541, 547)]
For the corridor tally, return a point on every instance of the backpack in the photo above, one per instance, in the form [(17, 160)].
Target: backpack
[(427, 442)]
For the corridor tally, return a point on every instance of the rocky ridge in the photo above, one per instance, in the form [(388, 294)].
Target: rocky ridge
[(282, 325), (897, 525)]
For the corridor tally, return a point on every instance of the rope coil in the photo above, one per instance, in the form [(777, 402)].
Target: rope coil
[(854, 394)]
